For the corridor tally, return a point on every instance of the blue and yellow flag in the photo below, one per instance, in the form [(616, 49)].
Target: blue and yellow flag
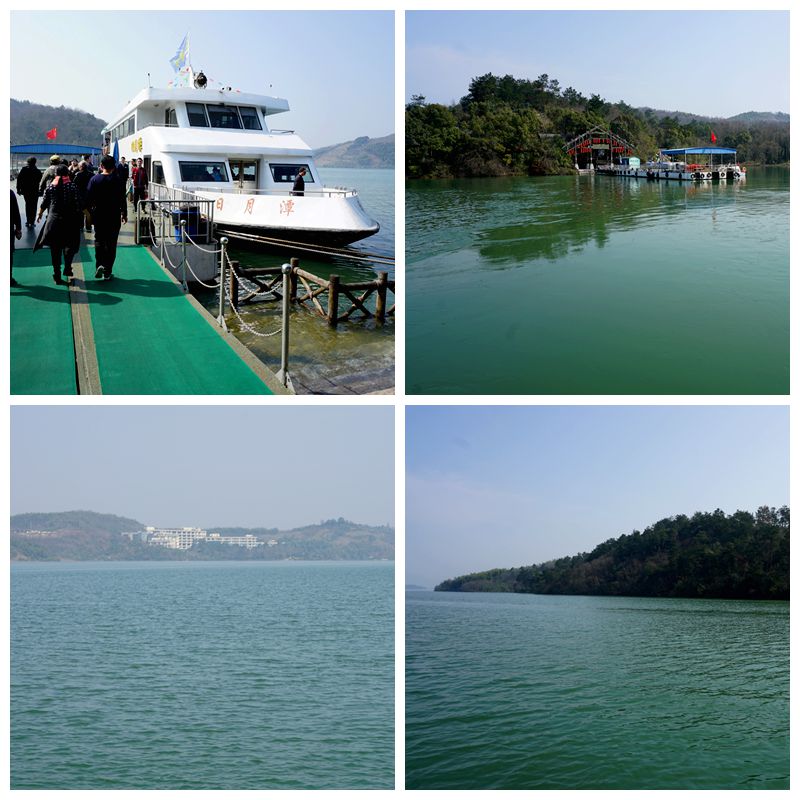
[(181, 56)]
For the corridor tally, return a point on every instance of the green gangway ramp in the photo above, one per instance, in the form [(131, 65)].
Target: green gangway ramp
[(148, 337), (150, 340), (42, 349)]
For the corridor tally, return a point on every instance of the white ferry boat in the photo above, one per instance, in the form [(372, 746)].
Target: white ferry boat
[(216, 143)]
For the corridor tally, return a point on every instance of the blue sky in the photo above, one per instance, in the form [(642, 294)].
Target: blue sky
[(505, 486), (336, 69), (212, 466), (715, 63)]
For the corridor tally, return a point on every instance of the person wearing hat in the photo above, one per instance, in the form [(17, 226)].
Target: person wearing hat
[(49, 174), (28, 187)]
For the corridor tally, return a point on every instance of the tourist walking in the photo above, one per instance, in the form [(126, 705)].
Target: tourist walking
[(16, 233), (28, 187), (82, 179), (49, 174), (123, 173), (108, 209), (140, 182), (61, 232)]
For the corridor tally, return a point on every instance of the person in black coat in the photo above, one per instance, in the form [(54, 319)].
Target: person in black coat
[(61, 232), (81, 180), (16, 232), (105, 199), (299, 186), (28, 187)]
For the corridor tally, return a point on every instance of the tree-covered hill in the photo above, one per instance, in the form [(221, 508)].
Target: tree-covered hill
[(515, 126), (741, 556), (31, 121), (88, 536)]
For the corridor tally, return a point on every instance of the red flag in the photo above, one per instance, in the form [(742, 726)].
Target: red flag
[(713, 137), (51, 134)]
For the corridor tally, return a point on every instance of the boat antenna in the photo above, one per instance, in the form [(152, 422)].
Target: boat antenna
[(148, 81)]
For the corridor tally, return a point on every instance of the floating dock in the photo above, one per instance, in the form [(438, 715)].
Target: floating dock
[(136, 334)]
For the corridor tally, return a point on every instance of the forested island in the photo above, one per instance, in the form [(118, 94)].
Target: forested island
[(713, 555), (515, 126), (89, 536)]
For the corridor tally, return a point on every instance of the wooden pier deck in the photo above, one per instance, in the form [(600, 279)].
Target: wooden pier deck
[(135, 334)]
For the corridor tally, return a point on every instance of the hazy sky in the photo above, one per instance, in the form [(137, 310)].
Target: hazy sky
[(506, 486), (714, 63), (210, 466), (336, 69)]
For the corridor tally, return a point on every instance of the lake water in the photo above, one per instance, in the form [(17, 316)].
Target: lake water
[(598, 285), (213, 675), (543, 692), (358, 347)]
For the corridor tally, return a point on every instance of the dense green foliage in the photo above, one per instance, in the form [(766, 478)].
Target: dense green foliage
[(31, 121), (741, 556), (513, 126), (87, 536)]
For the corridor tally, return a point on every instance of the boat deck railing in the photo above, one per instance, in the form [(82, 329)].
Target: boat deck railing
[(325, 191)]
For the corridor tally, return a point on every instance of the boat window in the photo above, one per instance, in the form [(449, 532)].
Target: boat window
[(170, 118), (286, 173), (224, 117), (203, 171), (158, 173), (197, 115), (250, 120), (243, 171)]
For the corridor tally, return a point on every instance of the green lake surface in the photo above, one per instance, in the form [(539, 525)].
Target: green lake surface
[(598, 285), (508, 691), (202, 675)]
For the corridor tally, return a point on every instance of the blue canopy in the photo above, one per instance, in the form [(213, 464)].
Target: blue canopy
[(50, 147), (700, 151)]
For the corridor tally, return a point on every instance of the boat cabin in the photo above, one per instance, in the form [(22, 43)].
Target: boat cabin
[(198, 138)]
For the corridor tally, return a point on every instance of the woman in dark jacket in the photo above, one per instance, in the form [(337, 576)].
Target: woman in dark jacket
[(61, 232)]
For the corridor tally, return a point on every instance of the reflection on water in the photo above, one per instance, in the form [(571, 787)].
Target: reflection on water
[(320, 358), (593, 284)]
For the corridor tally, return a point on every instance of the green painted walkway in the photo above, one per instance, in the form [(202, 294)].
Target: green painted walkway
[(42, 350), (148, 338)]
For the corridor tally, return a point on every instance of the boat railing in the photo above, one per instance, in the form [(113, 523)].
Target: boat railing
[(157, 125), (325, 191)]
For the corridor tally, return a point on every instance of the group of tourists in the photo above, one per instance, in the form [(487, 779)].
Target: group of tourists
[(76, 196)]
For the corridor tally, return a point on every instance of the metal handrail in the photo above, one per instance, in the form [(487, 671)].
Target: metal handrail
[(227, 188)]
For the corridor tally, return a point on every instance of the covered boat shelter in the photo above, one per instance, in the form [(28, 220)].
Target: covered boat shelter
[(598, 147), (688, 154), (21, 152)]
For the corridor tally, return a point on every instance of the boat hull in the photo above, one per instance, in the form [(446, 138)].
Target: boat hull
[(672, 175), (331, 218)]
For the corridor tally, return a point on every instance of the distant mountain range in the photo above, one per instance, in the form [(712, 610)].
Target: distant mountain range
[(683, 117), (361, 153), (89, 536)]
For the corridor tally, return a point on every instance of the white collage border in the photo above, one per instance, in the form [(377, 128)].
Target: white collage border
[(400, 400)]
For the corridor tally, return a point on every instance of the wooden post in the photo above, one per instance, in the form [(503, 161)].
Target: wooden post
[(294, 263), (380, 302), (234, 285), (333, 301)]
